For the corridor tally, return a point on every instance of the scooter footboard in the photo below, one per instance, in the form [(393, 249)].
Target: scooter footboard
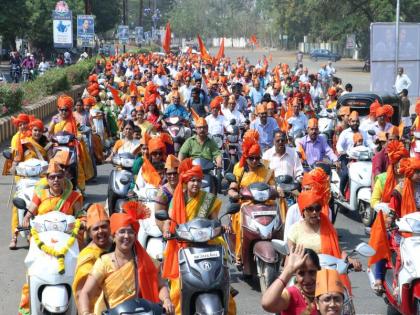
[(209, 303), (265, 251)]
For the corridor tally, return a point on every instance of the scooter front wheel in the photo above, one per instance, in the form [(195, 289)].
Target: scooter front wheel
[(267, 275)]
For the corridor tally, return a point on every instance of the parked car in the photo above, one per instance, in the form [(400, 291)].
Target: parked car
[(324, 54)]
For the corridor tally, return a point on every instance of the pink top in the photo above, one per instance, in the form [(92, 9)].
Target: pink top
[(297, 304)]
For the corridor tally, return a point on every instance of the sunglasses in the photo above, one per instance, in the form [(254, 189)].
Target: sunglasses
[(172, 174), (63, 110), (254, 158), (56, 176), (316, 208)]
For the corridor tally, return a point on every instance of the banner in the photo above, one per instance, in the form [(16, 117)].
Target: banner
[(62, 29), (139, 34), (122, 34), (85, 31)]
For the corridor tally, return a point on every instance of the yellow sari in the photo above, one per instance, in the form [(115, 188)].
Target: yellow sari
[(199, 206), (85, 261), (246, 178), (118, 285), (84, 162)]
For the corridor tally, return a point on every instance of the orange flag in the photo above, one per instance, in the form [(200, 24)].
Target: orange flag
[(149, 173), (166, 45), (379, 240), (221, 52), (253, 40), (116, 96), (194, 114), (270, 57), (204, 54)]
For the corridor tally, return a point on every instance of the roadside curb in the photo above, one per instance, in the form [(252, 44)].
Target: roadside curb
[(42, 109)]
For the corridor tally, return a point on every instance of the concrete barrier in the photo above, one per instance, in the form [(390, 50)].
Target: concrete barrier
[(42, 109)]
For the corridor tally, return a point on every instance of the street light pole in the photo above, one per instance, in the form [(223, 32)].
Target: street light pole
[(397, 36), (124, 17)]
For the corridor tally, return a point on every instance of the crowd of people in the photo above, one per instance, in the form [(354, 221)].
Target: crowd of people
[(126, 103)]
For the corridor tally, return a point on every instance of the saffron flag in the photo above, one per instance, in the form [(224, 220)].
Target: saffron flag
[(221, 51), (204, 54), (253, 40), (166, 45), (116, 96), (379, 240)]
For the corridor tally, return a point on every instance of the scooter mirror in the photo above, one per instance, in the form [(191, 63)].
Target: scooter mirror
[(7, 155), (19, 203), (371, 132), (230, 177), (365, 250), (162, 215), (281, 247), (233, 208), (382, 206)]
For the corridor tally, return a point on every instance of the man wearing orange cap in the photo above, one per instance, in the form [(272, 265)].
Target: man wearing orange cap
[(298, 122), (99, 232), (215, 121), (383, 115), (125, 113), (331, 103), (176, 109), (368, 124), (266, 127), (316, 148), (329, 292), (201, 146), (276, 94), (160, 79), (231, 112)]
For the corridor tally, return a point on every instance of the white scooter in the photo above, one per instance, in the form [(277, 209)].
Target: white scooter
[(326, 123), (360, 177), (50, 292), (330, 262), (408, 299), (30, 172), (150, 236)]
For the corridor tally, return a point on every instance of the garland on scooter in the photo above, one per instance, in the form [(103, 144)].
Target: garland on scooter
[(59, 254)]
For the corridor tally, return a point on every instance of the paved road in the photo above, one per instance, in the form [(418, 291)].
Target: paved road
[(12, 271)]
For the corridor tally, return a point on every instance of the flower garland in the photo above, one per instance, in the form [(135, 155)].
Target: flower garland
[(61, 253)]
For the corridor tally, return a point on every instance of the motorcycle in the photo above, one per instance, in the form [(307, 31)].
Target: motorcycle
[(30, 172), (120, 180), (288, 185), (212, 177), (178, 131), (232, 147), (343, 266), (27, 74), (359, 187), (261, 222), (415, 145), (15, 73), (326, 123), (407, 301), (203, 268), (50, 291), (65, 141), (136, 306)]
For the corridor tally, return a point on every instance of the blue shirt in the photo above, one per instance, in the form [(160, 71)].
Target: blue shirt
[(266, 131), (256, 95), (176, 110)]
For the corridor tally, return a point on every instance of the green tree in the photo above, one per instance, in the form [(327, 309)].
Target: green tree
[(12, 21)]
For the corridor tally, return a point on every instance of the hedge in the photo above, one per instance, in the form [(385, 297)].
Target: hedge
[(14, 96)]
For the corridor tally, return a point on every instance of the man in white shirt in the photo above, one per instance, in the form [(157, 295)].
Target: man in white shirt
[(330, 69), (232, 113), (304, 77), (402, 81), (283, 160), (275, 94), (215, 121), (298, 121), (160, 78), (125, 113), (185, 90)]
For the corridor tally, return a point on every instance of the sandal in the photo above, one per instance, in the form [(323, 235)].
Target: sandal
[(379, 289), (13, 243)]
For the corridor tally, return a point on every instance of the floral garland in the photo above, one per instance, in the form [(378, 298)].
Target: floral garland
[(61, 253)]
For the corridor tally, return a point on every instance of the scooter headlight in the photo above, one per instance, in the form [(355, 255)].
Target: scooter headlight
[(63, 139), (60, 226), (201, 235), (260, 195), (251, 223)]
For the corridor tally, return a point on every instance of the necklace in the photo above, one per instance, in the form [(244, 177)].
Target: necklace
[(309, 300)]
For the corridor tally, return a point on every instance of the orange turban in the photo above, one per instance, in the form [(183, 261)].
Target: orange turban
[(332, 91), (93, 87), (216, 102), (36, 123), (171, 162), (156, 144), (171, 263), (161, 70), (261, 108), (374, 107), (313, 123), (250, 147), (54, 167), (146, 270), (344, 110), (93, 78), (357, 137), (354, 115), (65, 101), (417, 108), (89, 101), (21, 118), (96, 213), (407, 167), (308, 198), (319, 181), (328, 281), (252, 133), (385, 110), (201, 122), (396, 151)]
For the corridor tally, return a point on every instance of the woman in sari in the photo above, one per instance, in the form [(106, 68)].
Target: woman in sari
[(98, 230), (128, 272), (128, 144), (185, 206), (247, 171), (32, 146), (65, 121)]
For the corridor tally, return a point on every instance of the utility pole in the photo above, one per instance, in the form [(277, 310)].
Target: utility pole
[(124, 17), (88, 7), (397, 36), (141, 13)]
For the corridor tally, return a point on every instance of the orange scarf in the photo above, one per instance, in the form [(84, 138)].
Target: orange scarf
[(396, 152), (178, 214), (146, 271), (149, 173), (407, 167)]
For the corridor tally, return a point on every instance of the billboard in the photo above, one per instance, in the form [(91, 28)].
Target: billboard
[(123, 34), (139, 34), (62, 29), (85, 31), (382, 55)]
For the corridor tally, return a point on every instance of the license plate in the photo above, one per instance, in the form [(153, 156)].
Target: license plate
[(206, 255), (261, 213)]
